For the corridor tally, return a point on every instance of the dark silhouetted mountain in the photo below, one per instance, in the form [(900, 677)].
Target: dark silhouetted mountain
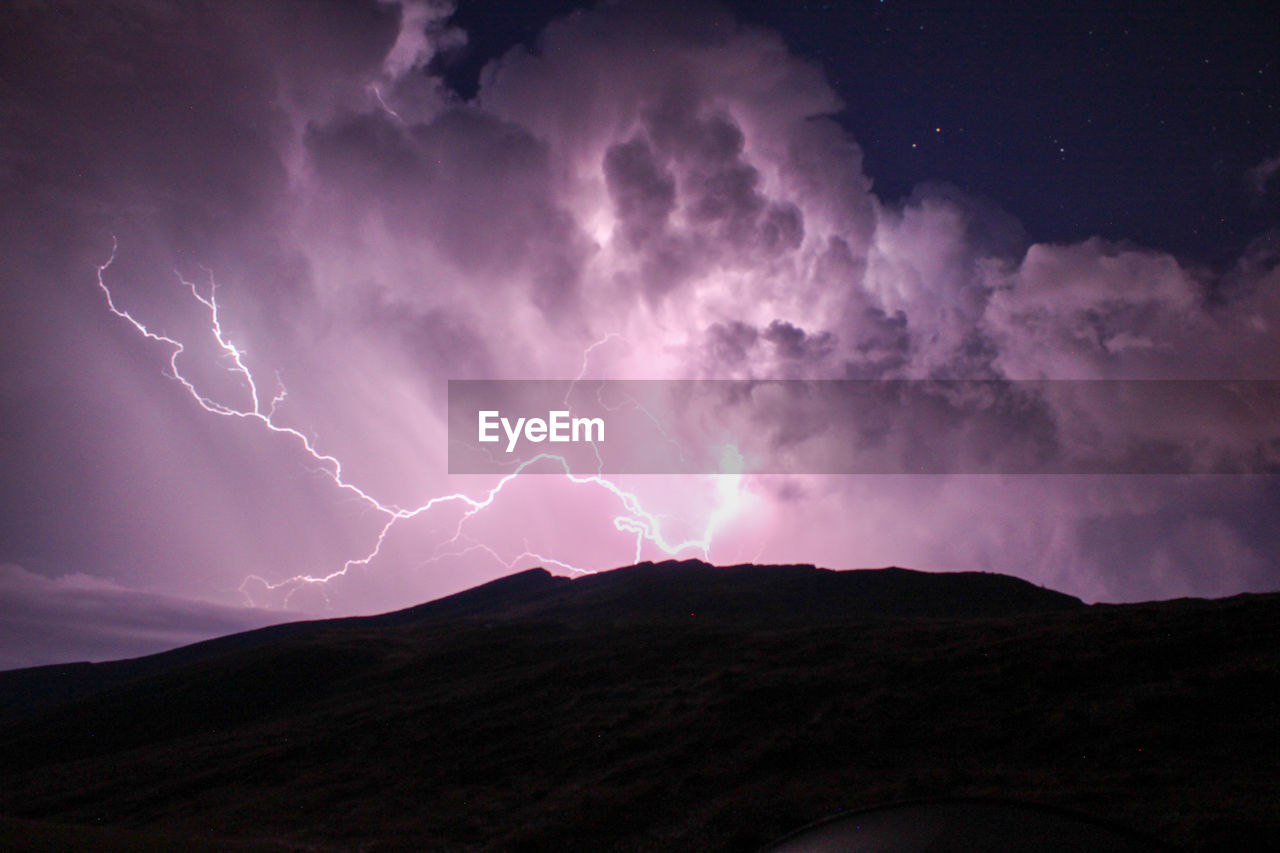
[(669, 706), (647, 591)]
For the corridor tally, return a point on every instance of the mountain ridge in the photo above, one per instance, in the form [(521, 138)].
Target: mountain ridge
[(675, 706), (661, 590)]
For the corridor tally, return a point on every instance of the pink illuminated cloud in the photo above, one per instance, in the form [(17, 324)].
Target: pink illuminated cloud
[(646, 196)]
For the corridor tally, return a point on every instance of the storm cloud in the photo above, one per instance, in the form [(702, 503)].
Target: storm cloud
[(656, 191)]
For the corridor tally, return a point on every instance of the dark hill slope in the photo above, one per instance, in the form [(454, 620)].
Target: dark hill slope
[(26, 690), (645, 591), (543, 714)]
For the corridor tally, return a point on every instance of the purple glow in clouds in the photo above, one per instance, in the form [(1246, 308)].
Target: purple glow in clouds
[(655, 193)]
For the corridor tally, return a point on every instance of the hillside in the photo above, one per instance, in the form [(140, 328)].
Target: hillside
[(647, 591), (666, 707)]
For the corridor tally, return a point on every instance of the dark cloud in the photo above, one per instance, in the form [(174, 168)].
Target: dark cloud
[(730, 344), (642, 190), (793, 343)]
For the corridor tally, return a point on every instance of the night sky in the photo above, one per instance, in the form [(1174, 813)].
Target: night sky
[(1040, 109), (391, 195)]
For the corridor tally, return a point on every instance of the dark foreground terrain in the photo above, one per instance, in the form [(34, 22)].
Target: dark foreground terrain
[(667, 707)]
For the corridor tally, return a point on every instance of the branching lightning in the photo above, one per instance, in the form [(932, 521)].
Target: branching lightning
[(633, 518)]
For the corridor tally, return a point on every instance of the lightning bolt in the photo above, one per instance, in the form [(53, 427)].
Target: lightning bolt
[(633, 518), (386, 108)]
